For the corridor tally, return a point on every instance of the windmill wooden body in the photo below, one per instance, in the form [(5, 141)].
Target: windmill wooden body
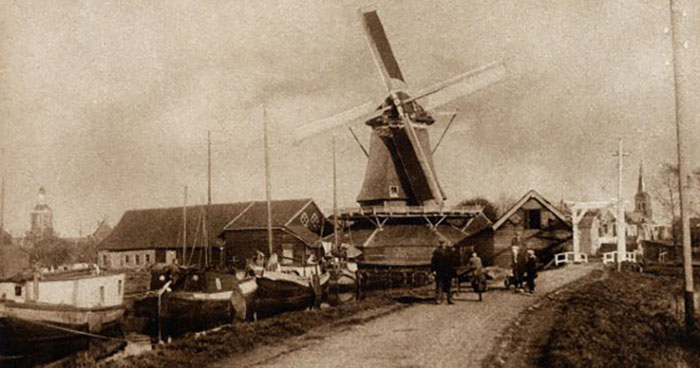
[(401, 216)]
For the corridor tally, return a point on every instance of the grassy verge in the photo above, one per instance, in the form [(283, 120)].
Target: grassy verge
[(241, 338), (627, 320)]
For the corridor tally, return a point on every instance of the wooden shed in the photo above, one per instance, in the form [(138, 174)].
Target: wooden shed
[(297, 227)]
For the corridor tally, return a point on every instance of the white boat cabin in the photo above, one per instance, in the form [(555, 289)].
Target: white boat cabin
[(84, 288)]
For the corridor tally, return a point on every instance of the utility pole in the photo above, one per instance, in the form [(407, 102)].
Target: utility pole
[(620, 221), (683, 50)]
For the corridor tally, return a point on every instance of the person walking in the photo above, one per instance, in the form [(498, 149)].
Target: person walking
[(475, 265), (442, 267), (531, 267)]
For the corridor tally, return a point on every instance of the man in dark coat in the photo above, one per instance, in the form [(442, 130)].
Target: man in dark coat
[(442, 265), (531, 268)]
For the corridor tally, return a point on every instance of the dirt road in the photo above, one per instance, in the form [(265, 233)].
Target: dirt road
[(424, 335)]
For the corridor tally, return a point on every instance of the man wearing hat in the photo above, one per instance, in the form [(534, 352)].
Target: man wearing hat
[(442, 267)]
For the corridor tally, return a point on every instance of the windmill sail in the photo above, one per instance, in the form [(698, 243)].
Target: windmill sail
[(400, 168), (381, 49)]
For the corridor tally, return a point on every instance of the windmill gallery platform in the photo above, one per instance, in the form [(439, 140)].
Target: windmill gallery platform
[(402, 236)]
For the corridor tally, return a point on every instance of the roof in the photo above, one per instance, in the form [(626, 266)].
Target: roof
[(407, 235), (163, 227), (255, 214), (101, 232), (530, 195), (477, 224)]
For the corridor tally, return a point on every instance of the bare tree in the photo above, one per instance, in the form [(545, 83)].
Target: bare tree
[(665, 192), (491, 211)]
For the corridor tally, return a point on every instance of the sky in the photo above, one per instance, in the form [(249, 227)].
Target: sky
[(107, 104)]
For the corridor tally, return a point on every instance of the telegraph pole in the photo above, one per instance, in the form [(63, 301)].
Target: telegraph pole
[(620, 221), (681, 38)]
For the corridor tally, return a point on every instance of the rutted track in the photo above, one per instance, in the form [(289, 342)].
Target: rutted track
[(424, 335)]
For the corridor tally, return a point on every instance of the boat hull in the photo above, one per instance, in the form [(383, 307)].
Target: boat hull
[(278, 293), (40, 335), (184, 311)]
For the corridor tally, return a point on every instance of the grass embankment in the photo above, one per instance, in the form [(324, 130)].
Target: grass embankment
[(244, 337), (626, 320)]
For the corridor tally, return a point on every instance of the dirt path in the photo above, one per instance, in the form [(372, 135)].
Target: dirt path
[(424, 335)]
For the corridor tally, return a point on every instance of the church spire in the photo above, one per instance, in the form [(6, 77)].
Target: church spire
[(640, 186)]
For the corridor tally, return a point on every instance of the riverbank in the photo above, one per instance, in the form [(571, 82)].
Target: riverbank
[(621, 319), (201, 350)]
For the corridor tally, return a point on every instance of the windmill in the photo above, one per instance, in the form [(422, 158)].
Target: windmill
[(401, 192)]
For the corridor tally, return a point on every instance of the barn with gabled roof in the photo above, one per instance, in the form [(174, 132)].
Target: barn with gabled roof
[(542, 227), (297, 227), (155, 235)]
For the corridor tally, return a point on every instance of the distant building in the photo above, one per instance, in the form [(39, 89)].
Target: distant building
[(639, 225), (642, 200), (101, 232), (542, 227), (41, 217), (12, 258), (297, 228)]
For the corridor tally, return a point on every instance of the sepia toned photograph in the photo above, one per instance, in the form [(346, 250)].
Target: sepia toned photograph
[(362, 183)]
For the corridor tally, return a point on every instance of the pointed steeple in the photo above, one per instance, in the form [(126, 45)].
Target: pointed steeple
[(642, 199)]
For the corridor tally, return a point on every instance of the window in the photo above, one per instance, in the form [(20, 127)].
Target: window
[(104, 260), (121, 260), (102, 294), (287, 253), (393, 191), (18, 290), (127, 259), (533, 219), (138, 259), (148, 258), (218, 283), (119, 287), (304, 219)]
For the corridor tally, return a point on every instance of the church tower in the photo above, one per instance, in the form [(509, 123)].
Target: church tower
[(642, 200), (41, 216)]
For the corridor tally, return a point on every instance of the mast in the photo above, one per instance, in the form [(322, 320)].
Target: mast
[(207, 250), (335, 200), (2, 213), (267, 183), (620, 223), (184, 228)]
